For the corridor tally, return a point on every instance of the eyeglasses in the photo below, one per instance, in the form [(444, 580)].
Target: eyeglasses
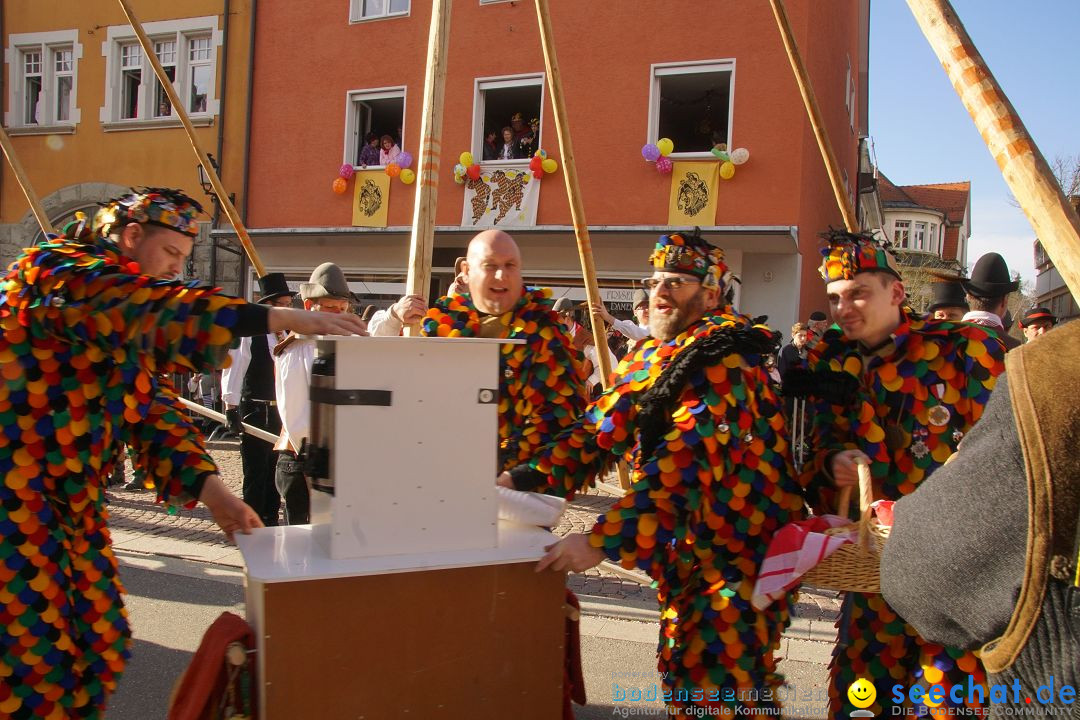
[(669, 283)]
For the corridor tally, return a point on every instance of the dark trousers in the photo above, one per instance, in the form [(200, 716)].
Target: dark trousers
[(293, 487), (259, 459)]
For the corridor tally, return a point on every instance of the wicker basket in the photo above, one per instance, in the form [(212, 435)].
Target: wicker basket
[(854, 567)]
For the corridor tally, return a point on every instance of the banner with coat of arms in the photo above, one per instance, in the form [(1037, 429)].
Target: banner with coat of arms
[(503, 196), (371, 198), (693, 193)]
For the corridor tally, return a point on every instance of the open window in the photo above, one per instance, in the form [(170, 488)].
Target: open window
[(376, 9), (374, 114), (42, 75), (506, 118), (690, 103)]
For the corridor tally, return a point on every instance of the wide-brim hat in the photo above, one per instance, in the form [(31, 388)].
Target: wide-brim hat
[(1036, 314), (640, 298), (947, 293), (273, 286), (990, 278), (563, 304), (327, 280)]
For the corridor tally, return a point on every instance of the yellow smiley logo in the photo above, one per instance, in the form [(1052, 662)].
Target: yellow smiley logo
[(862, 693)]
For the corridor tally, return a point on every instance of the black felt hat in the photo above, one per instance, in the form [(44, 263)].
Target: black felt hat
[(990, 278), (946, 293), (272, 286), (1036, 314)]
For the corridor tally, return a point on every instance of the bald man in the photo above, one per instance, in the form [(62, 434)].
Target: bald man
[(544, 375)]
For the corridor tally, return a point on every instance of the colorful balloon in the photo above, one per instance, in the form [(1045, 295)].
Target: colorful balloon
[(407, 176), (339, 185), (664, 166), (536, 163), (665, 146), (720, 154), (650, 152), (466, 158), (346, 171), (538, 174), (404, 160), (740, 155), (393, 170), (460, 169), (473, 171), (727, 170), (549, 166)]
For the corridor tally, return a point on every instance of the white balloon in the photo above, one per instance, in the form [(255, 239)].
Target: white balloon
[(740, 155)]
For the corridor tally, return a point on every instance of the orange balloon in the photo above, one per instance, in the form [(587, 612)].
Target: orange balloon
[(393, 170), (340, 185)]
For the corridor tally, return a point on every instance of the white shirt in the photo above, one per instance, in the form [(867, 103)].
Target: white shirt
[(590, 353), (630, 329), (232, 377), (292, 382), (986, 319), (384, 324)]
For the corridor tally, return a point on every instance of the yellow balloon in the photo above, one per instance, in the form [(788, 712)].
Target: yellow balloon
[(466, 158), (407, 176), (549, 166), (727, 170), (666, 146)]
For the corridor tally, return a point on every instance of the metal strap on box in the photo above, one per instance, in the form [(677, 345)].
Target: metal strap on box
[(328, 396)]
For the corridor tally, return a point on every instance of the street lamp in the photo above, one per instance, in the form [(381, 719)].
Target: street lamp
[(204, 180)]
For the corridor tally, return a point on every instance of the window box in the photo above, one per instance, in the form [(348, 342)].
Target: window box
[(364, 10), (42, 74), (691, 103), (496, 102), (380, 111)]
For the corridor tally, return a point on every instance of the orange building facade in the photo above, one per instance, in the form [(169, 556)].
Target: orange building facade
[(88, 119), (632, 73)]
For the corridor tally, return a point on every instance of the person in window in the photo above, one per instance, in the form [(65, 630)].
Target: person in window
[(530, 143), (369, 154), (509, 150), (389, 151), (491, 148), (517, 124)]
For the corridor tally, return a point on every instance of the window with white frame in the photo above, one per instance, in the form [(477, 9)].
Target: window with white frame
[(918, 236), (901, 233), (506, 118), (372, 116), (42, 75), (934, 247), (849, 94), (187, 52), (375, 9), (690, 103)]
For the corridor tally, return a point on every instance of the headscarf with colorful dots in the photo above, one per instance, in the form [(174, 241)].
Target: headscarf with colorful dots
[(164, 207), (690, 254), (847, 254)]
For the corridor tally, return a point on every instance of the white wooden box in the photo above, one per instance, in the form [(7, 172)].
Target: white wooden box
[(416, 475)]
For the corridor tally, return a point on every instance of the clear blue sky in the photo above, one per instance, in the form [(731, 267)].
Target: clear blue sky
[(923, 134)]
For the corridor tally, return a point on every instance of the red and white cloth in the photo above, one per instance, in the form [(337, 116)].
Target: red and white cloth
[(801, 545)]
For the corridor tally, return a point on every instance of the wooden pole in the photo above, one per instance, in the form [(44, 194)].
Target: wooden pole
[(802, 78), (577, 211), (218, 417), (1022, 165), (422, 240), (24, 183), (178, 108)]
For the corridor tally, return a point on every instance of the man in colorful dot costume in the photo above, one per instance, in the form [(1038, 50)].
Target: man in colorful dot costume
[(897, 392), (91, 323), (541, 386), (691, 408)]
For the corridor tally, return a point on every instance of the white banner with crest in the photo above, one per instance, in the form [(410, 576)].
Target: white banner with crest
[(505, 195)]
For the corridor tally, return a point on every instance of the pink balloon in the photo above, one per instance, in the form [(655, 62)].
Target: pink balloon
[(664, 166), (346, 171)]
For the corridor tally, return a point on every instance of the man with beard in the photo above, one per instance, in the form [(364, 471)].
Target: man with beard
[(898, 393), (712, 481)]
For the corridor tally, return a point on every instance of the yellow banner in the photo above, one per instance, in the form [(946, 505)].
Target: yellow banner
[(693, 193), (371, 198)]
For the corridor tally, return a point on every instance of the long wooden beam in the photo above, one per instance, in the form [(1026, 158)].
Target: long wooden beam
[(422, 240), (181, 112), (24, 183), (1024, 168)]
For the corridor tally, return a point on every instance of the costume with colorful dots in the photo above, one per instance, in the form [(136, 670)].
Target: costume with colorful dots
[(712, 481), (84, 339), (908, 405), (541, 386)]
